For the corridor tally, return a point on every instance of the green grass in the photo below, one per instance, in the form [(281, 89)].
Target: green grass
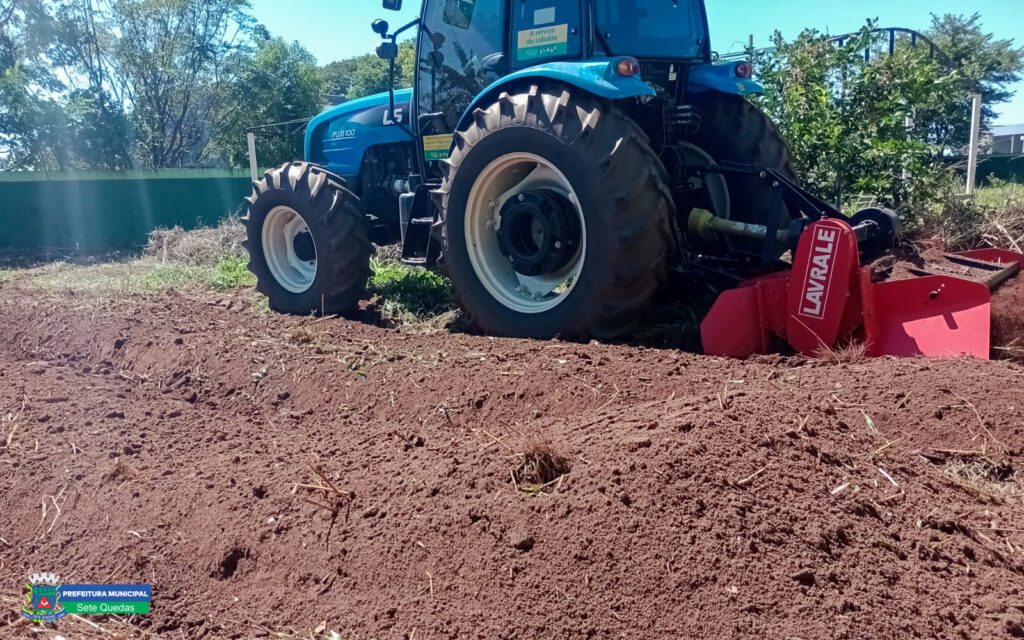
[(1000, 194), (232, 272), (203, 259), (411, 297), (137, 276)]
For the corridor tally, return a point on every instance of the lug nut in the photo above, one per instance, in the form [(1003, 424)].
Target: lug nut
[(558, 244), (521, 197)]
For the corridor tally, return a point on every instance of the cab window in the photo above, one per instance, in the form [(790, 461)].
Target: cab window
[(460, 54)]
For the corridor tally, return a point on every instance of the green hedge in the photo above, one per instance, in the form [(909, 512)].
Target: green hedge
[(101, 211), (1009, 168)]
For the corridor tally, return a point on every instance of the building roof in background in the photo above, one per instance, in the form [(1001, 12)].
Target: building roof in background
[(1008, 130)]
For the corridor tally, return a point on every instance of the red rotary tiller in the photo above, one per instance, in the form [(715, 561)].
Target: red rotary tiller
[(827, 295)]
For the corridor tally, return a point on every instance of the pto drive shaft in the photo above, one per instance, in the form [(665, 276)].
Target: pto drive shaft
[(705, 224)]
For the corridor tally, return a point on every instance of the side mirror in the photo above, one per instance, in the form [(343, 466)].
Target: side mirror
[(380, 27), (387, 51), (393, 5)]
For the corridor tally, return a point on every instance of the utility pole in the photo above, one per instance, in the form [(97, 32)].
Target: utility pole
[(972, 151), (251, 139)]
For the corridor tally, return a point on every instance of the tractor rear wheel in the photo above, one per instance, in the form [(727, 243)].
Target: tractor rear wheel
[(734, 130), (555, 216), (307, 240)]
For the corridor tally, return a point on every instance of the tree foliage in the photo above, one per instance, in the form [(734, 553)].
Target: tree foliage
[(878, 125), (368, 74), (984, 64), (287, 86), (141, 83), (116, 84)]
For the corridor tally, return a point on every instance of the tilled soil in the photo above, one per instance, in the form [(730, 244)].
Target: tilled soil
[(274, 475)]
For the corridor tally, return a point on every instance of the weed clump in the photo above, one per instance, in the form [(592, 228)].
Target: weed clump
[(538, 466), (411, 298)]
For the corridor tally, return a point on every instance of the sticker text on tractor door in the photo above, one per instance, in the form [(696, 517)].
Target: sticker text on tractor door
[(819, 273)]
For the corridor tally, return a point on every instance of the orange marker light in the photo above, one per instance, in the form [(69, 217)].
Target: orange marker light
[(628, 67)]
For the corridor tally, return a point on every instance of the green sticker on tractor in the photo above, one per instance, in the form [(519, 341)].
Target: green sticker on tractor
[(543, 42), (436, 147)]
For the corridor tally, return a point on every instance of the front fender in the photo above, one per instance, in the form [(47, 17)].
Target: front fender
[(722, 78), (598, 77)]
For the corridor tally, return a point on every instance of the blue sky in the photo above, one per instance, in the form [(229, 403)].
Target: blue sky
[(333, 29)]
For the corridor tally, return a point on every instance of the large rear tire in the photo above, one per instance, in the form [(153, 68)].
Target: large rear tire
[(308, 241), (558, 149), (734, 130)]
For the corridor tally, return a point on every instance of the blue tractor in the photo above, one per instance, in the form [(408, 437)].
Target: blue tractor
[(558, 159)]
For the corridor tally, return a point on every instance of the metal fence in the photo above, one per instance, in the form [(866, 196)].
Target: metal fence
[(101, 211)]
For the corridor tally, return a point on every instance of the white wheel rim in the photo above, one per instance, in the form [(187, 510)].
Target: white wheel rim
[(280, 228), (504, 178)]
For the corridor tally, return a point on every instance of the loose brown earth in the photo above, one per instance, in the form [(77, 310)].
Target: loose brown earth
[(173, 441)]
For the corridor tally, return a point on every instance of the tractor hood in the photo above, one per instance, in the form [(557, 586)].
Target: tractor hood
[(338, 137)]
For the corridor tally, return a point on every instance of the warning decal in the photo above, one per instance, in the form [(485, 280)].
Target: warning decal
[(436, 147)]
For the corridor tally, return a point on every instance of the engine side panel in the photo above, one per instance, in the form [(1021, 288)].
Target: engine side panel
[(339, 137)]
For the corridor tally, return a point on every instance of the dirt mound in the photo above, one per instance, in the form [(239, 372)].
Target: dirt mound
[(1008, 320), (278, 475)]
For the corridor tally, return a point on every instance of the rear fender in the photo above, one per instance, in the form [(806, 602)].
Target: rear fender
[(598, 77)]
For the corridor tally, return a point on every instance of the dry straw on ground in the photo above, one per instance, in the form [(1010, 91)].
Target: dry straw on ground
[(538, 466), (205, 245)]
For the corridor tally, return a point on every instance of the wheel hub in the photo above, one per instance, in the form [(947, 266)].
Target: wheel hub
[(303, 246), (538, 231)]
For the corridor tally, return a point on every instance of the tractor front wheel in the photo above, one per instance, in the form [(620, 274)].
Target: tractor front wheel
[(307, 240), (555, 216)]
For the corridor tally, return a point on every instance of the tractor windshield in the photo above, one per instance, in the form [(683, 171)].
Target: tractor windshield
[(651, 28)]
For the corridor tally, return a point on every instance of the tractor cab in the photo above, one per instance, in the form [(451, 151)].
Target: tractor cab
[(468, 49)]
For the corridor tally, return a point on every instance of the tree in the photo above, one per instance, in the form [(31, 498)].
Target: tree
[(172, 60), (337, 76), (985, 65), (32, 126), (142, 82), (368, 74), (856, 125), (279, 83)]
